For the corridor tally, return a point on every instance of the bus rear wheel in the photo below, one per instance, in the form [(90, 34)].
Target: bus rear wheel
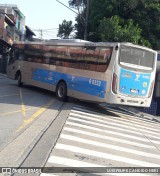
[(61, 91), (20, 83)]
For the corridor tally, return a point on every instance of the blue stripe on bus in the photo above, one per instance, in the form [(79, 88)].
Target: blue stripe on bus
[(82, 84)]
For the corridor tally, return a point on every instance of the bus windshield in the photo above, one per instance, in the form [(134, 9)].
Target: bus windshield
[(136, 58)]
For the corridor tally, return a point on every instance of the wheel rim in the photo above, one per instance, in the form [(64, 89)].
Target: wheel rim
[(61, 91)]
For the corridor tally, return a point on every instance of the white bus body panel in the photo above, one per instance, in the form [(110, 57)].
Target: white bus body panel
[(81, 83)]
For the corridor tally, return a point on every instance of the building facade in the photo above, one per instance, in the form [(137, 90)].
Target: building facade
[(12, 28)]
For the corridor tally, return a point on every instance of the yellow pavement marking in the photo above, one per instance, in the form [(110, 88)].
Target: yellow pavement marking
[(35, 115), (22, 103), (13, 112)]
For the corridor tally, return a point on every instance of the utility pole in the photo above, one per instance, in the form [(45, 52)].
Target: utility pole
[(86, 21)]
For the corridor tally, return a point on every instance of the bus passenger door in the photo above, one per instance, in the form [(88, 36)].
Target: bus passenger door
[(11, 66)]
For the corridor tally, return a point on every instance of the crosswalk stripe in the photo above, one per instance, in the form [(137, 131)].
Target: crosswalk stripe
[(113, 132), (71, 162), (80, 121), (101, 130), (100, 144), (146, 125), (44, 174), (104, 136), (117, 124), (104, 131), (75, 163), (146, 121), (135, 119), (120, 120), (104, 155), (85, 110)]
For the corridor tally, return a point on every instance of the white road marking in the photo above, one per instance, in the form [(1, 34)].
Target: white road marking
[(104, 136), (71, 162), (100, 144), (105, 155), (113, 132), (75, 163), (121, 121), (108, 123), (44, 174), (135, 119), (90, 118)]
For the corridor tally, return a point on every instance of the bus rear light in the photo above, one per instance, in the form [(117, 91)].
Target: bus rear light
[(151, 89), (114, 83)]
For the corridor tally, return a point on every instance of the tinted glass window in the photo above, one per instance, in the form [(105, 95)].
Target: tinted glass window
[(136, 58)]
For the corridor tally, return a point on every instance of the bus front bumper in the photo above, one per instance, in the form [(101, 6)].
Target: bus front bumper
[(130, 101)]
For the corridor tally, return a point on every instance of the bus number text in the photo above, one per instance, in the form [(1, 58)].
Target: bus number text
[(95, 82)]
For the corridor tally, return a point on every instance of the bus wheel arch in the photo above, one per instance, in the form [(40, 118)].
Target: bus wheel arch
[(18, 77), (61, 90)]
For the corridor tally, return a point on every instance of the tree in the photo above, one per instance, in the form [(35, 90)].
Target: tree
[(114, 30), (82, 7), (144, 13), (65, 29), (79, 27)]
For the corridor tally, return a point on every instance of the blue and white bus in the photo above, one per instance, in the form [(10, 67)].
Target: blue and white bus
[(115, 73)]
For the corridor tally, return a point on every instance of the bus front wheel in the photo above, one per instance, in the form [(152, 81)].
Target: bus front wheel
[(20, 83), (61, 91)]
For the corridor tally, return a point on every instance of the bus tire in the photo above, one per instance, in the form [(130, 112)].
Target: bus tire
[(61, 91), (20, 83)]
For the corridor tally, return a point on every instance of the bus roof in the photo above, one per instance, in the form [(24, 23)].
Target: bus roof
[(78, 42), (64, 42)]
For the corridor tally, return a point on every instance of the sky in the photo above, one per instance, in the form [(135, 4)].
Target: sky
[(43, 14)]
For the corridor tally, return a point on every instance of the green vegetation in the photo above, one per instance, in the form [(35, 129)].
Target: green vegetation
[(65, 29), (113, 29), (136, 21)]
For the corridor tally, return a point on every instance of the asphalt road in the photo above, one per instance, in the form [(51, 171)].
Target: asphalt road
[(37, 130), (19, 107)]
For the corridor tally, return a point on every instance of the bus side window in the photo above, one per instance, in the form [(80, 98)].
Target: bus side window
[(74, 55), (16, 55), (104, 58), (21, 56), (11, 57), (88, 58)]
